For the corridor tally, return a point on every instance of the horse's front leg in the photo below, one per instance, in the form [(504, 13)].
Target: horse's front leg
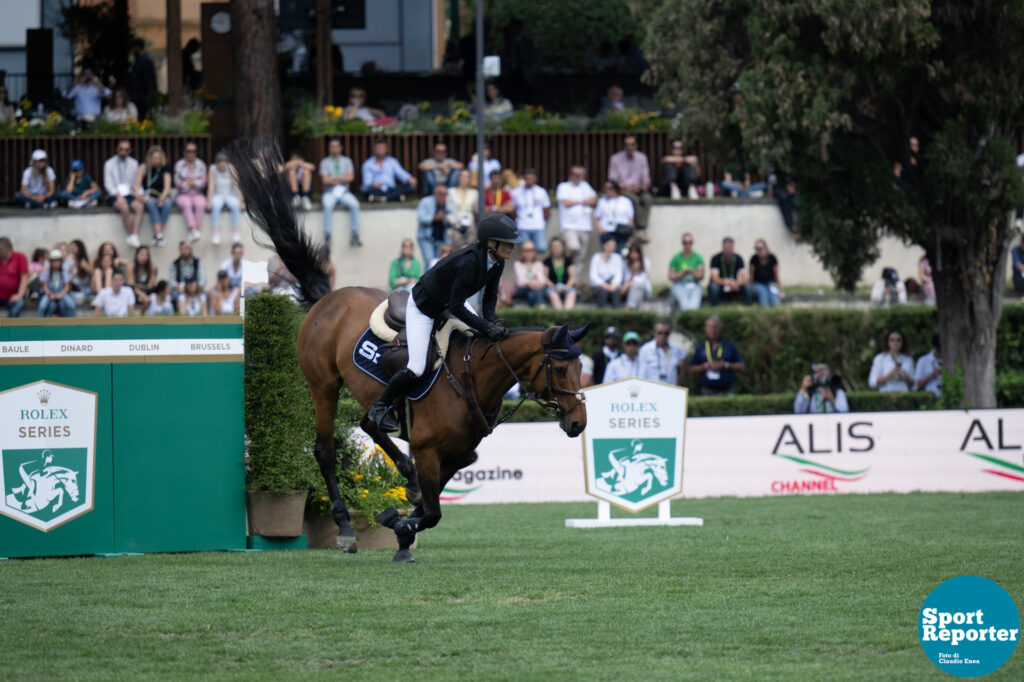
[(428, 511), (403, 462), (60, 499), (648, 483)]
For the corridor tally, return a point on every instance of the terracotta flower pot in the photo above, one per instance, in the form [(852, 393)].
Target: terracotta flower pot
[(275, 514), (320, 531)]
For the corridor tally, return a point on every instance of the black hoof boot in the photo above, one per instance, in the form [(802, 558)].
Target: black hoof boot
[(388, 518), (403, 556)]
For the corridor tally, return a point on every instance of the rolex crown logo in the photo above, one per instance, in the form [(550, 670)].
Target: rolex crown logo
[(44, 397), (634, 390)]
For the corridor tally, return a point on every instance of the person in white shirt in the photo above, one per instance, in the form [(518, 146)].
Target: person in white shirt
[(628, 363), (928, 374), (233, 265), (606, 268), (88, 94), (116, 300), (892, 370), (490, 165), (576, 201), (636, 278), (336, 172), (533, 207), (38, 183), (660, 358), (118, 177), (614, 214)]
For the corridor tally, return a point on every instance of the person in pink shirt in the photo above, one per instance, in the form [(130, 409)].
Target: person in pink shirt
[(13, 278), (190, 179), (631, 169)]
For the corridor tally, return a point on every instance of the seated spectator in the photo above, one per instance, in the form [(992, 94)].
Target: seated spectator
[(79, 270), (223, 298), (728, 276), (532, 207), (357, 109), (280, 280), (764, 272), (490, 165), (115, 300), (160, 302), (586, 371), (120, 264), (405, 270), (613, 215), (496, 108), (924, 273), (142, 276), (632, 171), (609, 351), (461, 206), (660, 358), (576, 201), (892, 369), (153, 188), (636, 279), (561, 276), (613, 101), (445, 250), (233, 265), (433, 222), (121, 108), (440, 169), (190, 177), (103, 273), (184, 269), (337, 172), (222, 190), (88, 94), (685, 271), (38, 266), (13, 278), (1017, 256), (119, 173), (889, 289), (383, 176), (737, 181), (300, 175), (38, 183), (820, 391), (928, 372), (79, 189), (679, 173), (716, 360), (531, 279), (193, 301), (626, 364), (606, 267), (497, 199), (54, 298)]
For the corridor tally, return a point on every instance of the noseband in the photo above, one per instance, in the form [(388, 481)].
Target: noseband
[(546, 399)]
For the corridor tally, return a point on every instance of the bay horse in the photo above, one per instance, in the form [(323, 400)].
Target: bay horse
[(444, 428)]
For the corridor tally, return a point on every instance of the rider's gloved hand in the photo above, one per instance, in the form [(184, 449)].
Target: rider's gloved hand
[(495, 331)]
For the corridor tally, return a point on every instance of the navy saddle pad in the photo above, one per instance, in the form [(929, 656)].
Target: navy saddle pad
[(366, 356)]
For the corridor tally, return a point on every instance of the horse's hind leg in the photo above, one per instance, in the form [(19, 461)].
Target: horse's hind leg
[(325, 401), (403, 462)]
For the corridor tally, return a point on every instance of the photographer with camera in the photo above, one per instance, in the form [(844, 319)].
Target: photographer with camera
[(821, 391), (88, 94)]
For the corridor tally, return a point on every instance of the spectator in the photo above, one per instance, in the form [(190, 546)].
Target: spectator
[(38, 267), (233, 265), (660, 358), (440, 169), (561, 276), (13, 278), (121, 108), (764, 271), (924, 273), (119, 173), (356, 108), (223, 298), (6, 108), (432, 217), (1017, 256), (532, 208), (443, 252), (336, 174), (79, 270), (632, 171), (686, 271), (606, 268), (636, 279), (38, 183), (80, 190), (55, 294), (141, 78), (153, 186), (193, 300), (461, 207), (222, 190), (614, 101), (716, 361), (627, 363), (928, 372), (614, 215), (300, 175), (115, 300), (531, 279), (120, 264), (737, 182), (160, 302), (679, 173), (191, 77), (142, 275), (497, 199), (190, 176), (889, 289), (576, 201), (892, 369), (820, 391), (728, 276), (405, 270), (609, 351), (496, 108), (490, 165), (87, 93), (384, 178), (184, 269), (280, 280), (586, 371), (103, 272), (786, 197)]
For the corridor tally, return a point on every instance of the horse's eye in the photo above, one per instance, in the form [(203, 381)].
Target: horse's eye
[(560, 371)]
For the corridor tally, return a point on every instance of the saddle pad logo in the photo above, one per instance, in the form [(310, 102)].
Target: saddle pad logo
[(634, 470)]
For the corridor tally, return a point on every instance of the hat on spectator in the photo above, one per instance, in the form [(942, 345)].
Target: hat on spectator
[(56, 255), (77, 164), (39, 155), (631, 336), (611, 331)]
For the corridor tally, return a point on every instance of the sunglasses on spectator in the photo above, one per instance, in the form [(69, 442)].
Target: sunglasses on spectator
[(190, 151), (662, 333), (687, 242), (124, 149)]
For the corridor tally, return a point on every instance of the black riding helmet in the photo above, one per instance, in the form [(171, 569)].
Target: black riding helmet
[(498, 227)]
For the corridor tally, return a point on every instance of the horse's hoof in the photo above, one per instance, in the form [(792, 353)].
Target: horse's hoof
[(347, 543), (403, 556)]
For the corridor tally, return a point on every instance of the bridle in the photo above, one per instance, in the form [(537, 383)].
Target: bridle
[(546, 399)]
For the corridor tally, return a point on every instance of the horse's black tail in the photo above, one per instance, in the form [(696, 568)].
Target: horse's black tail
[(259, 167)]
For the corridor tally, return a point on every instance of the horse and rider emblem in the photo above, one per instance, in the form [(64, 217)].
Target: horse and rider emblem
[(633, 470), (45, 487)]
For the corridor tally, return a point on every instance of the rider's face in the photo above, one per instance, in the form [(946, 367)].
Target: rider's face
[(504, 249)]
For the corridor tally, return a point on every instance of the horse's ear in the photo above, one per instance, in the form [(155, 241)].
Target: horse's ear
[(577, 334)]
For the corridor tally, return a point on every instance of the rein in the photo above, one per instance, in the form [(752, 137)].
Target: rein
[(546, 400)]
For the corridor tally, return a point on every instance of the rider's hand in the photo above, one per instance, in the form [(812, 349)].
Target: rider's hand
[(495, 331)]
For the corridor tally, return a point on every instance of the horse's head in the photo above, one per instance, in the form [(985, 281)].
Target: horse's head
[(69, 479), (557, 379)]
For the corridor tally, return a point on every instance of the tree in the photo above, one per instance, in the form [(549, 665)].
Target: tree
[(832, 91), (257, 85), (102, 33)]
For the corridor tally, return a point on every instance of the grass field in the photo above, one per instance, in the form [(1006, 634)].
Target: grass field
[(792, 588)]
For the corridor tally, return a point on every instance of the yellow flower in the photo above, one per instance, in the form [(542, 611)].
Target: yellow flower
[(378, 478), (437, 119), (359, 477), (365, 491)]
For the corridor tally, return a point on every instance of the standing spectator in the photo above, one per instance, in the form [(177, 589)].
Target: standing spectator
[(55, 295), (924, 273), (606, 267), (679, 174), (496, 108), (357, 109), (88, 94), (440, 169), (785, 195), (609, 351), (6, 108), (185, 269), (121, 108), (892, 369), (190, 176), (686, 271), (142, 275), (222, 190), (233, 265), (115, 300), (889, 289), (405, 270), (38, 183), (160, 303), (497, 199), (728, 276), (636, 280), (490, 165), (660, 358), (300, 175), (223, 298), (141, 78), (928, 372), (13, 278), (716, 360), (820, 391), (153, 186), (1017, 256), (764, 272), (80, 190), (384, 177), (461, 206), (432, 218), (576, 201), (532, 210), (614, 215), (336, 173), (632, 171), (79, 271), (119, 173), (626, 364), (561, 276), (531, 279), (193, 300)]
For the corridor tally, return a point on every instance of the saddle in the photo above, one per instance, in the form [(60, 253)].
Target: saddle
[(387, 322)]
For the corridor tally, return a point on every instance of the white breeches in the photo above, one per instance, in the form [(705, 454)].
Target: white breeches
[(417, 332)]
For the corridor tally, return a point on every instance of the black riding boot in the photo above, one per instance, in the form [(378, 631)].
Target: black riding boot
[(380, 411)]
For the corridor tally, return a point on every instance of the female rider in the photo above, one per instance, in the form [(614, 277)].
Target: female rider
[(442, 292)]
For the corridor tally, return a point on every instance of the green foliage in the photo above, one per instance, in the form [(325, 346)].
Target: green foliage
[(632, 119), (533, 119), (103, 32), (311, 121)]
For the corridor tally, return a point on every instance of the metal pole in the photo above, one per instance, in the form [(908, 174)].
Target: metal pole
[(480, 179)]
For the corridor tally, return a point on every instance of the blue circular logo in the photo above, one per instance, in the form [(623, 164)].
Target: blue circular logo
[(969, 626)]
